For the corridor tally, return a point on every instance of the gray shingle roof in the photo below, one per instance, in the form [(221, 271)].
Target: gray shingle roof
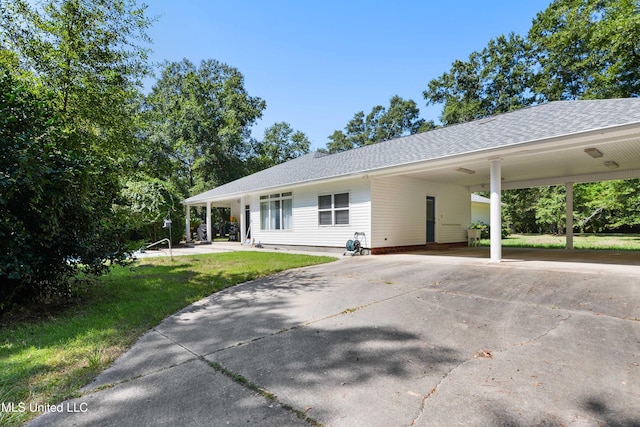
[(536, 123)]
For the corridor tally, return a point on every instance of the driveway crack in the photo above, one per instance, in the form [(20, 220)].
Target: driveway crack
[(267, 395), (434, 389), (544, 334), (301, 325)]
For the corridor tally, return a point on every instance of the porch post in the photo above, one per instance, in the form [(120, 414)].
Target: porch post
[(187, 220), (496, 210), (569, 222), (209, 239), (243, 222)]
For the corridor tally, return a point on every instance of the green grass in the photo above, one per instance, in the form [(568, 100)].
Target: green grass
[(47, 361), (626, 242)]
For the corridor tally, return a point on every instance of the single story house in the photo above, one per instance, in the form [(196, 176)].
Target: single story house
[(414, 191)]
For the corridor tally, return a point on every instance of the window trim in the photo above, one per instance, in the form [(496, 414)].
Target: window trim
[(265, 205), (334, 210)]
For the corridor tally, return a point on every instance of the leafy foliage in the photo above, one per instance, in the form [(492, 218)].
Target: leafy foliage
[(607, 206), (381, 124), (69, 98), (575, 49), (87, 53), (55, 199), (495, 80), (550, 209), (587, 49), (147, 202), (519, 209), (597, 207), (485, 229), (281, 143), (198, 122)]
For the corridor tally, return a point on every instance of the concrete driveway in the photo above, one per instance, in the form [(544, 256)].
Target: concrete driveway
[(397, 340)]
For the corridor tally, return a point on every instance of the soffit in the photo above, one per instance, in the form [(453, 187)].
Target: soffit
[(552, 162)]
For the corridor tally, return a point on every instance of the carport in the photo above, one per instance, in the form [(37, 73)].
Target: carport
[(596, 153)]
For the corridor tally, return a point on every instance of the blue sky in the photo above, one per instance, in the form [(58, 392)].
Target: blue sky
[(316, 63)]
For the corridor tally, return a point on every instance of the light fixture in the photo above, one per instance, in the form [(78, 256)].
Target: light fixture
[(611, 164), (593, 152), (465, 170)]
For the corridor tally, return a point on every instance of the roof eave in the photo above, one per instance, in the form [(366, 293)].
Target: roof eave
[(234, 195), (504, 150), (534, 145)]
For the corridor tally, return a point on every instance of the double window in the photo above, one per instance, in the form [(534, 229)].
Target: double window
[(333, 209), (276, 211)]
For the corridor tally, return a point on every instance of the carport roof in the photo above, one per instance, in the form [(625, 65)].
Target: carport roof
[(520, 128)]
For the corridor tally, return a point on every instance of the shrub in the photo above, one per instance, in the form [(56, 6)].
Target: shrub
[(146, 202), (56, 197), (485, 229)]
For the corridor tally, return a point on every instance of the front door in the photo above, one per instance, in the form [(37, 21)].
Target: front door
[(431, 219)]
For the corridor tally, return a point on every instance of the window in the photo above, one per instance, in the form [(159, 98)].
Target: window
[(333, 209), (276, 211)]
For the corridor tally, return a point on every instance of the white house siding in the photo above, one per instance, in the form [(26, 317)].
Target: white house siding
[(399, 211), (306, 231), (480, 212)]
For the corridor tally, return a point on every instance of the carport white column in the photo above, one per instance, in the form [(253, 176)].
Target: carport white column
[(187, 220), (209, 239), (496, 210), (243, 222), (569, 222)]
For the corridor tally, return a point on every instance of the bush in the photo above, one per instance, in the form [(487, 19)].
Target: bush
[(485, 229), (146, 202), (56, 198)]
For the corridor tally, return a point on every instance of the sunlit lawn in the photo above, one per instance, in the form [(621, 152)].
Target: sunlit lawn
[(627, 242), (47, 361)]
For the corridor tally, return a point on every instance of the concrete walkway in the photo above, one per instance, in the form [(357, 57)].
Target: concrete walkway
[(218, 247), (395, 340)]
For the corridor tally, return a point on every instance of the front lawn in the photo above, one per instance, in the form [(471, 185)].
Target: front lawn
[(47, 360)]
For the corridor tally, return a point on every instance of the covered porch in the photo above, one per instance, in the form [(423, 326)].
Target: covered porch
[(238, 217)]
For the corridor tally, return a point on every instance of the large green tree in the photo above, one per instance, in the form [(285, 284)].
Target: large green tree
[(587, 49), (550, 209), (198, 124), (56, 197), (400, 118), (280, 143), (575, 49), (493, 81), (71, 70), (606, 206), (91, 54), (519, 209)]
